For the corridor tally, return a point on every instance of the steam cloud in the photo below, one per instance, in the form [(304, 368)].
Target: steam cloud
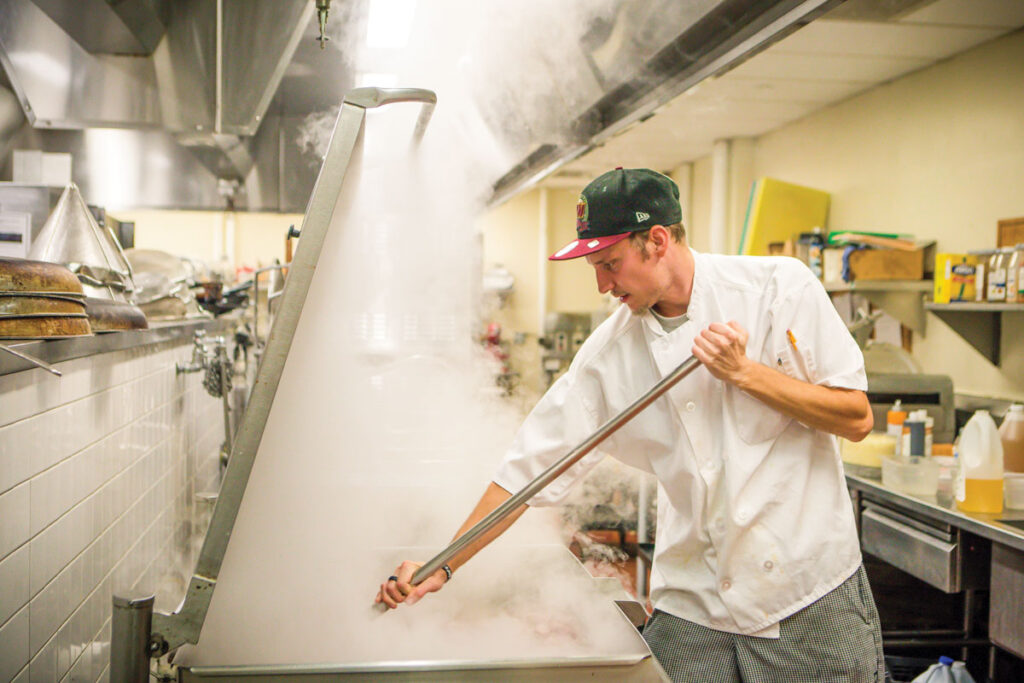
[(385, 429)]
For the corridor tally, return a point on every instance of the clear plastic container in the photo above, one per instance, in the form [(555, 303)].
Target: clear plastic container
[(1013, 490), (979, 481), (1011, 435), (915, 475)]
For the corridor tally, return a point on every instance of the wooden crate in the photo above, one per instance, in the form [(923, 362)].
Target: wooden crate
[(1011, 232), (887, 264)]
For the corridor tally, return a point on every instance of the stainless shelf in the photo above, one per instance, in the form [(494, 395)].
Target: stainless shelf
[(57, 350), (902, 299), (879, 286), (980, 324), (999, 528), (978, 307)]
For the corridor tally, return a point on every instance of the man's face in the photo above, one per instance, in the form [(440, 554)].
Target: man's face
[(622, 270)]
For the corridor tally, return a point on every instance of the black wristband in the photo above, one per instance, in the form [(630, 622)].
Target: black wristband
[(447, 572)]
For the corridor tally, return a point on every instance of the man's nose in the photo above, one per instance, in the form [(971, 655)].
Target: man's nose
[(604, 282)]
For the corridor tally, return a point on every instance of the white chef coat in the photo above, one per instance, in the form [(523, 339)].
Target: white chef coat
[(754, 518)]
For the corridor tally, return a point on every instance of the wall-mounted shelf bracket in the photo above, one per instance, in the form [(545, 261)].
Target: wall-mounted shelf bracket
[(980, 324)]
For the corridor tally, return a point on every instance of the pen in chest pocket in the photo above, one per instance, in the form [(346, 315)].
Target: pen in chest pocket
[(792, 342), (792, 339)]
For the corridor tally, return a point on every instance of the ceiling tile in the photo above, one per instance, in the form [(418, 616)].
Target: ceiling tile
[(866, 69), (862, 38), (825, 62), (1004, 13)]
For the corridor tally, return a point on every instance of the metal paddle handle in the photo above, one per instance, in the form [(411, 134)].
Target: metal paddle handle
[(554, 471)]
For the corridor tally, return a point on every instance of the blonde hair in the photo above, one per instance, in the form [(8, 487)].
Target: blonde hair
[(639, 238)]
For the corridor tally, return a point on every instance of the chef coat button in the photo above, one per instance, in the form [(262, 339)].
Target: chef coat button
[(690, 406), (726, 585), (768, 565)]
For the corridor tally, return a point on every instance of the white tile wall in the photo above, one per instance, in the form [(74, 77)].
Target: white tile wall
[(98, 475)]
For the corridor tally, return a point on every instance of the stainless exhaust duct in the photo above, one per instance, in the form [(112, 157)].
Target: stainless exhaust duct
[(208, 77)]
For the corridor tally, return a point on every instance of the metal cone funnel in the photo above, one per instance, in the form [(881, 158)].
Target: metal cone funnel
[(72, 237)]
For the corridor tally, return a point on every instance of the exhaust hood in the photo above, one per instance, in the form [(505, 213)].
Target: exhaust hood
[(210, 95), (204, 71)]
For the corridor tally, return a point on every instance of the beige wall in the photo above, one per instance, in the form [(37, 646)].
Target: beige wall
[(259, 237), (511, 238), (572, 286), (520, 235), (939, 154), (699, 233)]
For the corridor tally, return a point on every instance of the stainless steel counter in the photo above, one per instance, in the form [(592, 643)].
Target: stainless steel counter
[(57, 350), (943, 509)]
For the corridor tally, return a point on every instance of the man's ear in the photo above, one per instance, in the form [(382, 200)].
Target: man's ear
[(659, 238)]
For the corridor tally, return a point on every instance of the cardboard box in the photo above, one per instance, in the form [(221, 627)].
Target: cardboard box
[(955, 277), (1011, 232), (887, 264)]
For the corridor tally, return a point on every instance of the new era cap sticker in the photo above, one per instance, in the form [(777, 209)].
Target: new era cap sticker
[(582, 215), (641, 216)]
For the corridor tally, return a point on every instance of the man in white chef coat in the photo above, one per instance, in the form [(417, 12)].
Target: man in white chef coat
[(757, 571)]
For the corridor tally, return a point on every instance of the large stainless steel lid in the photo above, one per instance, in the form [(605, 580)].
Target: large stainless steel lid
[(513, 607)]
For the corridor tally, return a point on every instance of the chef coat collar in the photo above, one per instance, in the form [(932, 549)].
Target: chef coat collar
[(692, 309)]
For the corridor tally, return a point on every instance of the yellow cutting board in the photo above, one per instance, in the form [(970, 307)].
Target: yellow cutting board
[(778, 211)]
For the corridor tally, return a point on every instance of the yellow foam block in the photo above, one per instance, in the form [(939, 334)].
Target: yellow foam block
[(869, 452)]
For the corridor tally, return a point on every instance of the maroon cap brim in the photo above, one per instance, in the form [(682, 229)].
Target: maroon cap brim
[(581, 247)]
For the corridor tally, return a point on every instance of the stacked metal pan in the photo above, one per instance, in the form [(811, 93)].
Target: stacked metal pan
[(40, 300)]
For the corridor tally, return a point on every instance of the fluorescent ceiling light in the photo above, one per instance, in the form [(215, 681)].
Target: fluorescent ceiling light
[(390, 23)]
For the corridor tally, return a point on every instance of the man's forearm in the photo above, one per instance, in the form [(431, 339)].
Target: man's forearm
[(845, 412), (492, 498)]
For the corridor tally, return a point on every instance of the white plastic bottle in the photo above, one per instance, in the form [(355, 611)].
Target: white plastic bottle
[(979, 478), (946, 671)]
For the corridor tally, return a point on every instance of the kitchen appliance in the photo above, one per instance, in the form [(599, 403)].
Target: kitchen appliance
[(326, 617), (931, 393)]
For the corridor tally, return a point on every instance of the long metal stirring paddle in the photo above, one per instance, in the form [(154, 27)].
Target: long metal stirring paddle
[(551, 473)]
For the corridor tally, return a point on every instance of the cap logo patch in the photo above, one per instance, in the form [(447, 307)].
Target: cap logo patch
[(641, 216), (593, 243), (582, 215)]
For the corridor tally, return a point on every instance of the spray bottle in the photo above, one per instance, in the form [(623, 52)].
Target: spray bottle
[(894, 423)]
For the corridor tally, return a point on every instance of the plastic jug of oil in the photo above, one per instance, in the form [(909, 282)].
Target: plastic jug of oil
[(979, 478), (1011, 434)]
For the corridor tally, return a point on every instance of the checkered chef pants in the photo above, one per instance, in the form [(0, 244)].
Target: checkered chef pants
[(835, 639)]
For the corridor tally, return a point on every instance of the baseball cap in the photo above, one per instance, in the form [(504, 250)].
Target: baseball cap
[(618, 203)]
